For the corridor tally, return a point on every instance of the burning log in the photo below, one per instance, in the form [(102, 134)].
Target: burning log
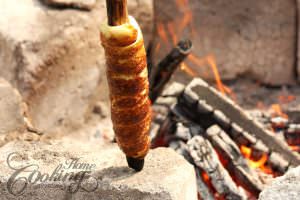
[(162, 74), (257, 149), (128, 82), (200, 91), (207, 160), (177, 129), (184, 116), (235, 162)]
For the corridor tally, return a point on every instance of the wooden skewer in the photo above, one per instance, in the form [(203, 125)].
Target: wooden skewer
[(117, 13)]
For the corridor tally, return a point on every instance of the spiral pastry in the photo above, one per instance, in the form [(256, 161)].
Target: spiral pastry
[(128, 84)]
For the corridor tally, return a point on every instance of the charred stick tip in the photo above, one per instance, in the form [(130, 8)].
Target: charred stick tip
[(117, 13), (185, 46), (165, 69), (135, 163)]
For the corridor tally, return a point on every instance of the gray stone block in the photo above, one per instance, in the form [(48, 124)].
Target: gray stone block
[(285, 187), (166, 175)]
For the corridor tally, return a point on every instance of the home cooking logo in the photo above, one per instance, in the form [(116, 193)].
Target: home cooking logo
[(73, 173)]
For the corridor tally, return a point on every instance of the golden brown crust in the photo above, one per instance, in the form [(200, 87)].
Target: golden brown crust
[(128, 85), (131, 87)]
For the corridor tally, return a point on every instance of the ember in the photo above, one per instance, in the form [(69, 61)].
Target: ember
[(247, 152)]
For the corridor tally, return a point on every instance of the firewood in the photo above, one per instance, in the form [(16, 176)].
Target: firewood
[(165, 69), (292, 134), (236, 163), (198, 90), (207, 160), (278, 163)]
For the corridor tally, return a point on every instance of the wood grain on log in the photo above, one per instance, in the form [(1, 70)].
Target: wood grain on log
[(205, 157), (165, 69), (200, 90), (236, 163)]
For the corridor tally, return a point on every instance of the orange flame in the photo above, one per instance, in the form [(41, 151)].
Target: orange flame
[(157, 48), (171, 30), (175, 32), (215, 70), (181, 3), (205, 177), (286, 98), (186, 20), (261, 163), (184, 67), (278, 111), (196, 60), (162, 33), (295, 148), (210, 60)]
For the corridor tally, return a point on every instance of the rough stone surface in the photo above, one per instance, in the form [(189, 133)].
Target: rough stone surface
[(284, 187), (143, 11), (166, 175), (54, 58), (12, 109), (80, 4), (254, 39)]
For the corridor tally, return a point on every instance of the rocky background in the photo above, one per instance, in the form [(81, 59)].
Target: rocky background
[(51, 61), (252, 39)]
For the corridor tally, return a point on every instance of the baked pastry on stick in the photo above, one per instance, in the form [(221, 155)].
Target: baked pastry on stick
[(128, 84)]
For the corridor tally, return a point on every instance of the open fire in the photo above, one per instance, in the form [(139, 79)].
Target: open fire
[(177, 130)]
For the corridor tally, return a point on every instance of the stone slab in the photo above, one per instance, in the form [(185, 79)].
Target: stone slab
[(166, 175), (285, 187)]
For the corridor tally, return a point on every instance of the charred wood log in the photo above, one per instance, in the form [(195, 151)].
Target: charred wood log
[(211, 117), (161, 111), (235, 161), (237, 134), (198, 90), (207, 160), (292, 134), (162, 74), (278, 163)]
